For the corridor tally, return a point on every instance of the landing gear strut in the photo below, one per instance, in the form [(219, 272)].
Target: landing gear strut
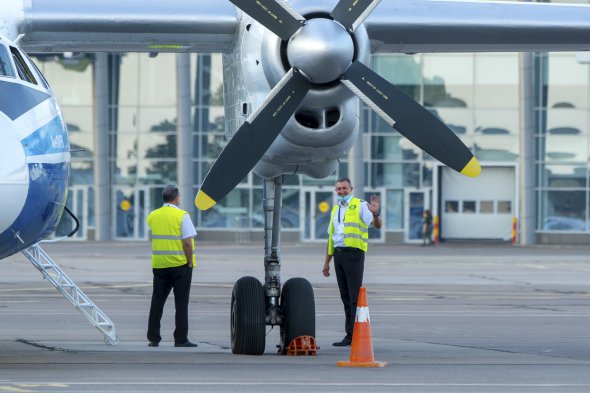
[(253, 306)]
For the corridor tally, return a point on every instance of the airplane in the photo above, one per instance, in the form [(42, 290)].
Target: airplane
[(294, 74)]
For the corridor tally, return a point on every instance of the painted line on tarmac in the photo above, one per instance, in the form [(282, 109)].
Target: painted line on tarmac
[(311, 384)]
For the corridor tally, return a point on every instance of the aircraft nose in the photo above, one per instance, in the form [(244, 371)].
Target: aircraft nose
[(14, 174)]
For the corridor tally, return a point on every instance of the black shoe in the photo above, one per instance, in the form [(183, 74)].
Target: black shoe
[(344, 343), (186, 344), (153, 344)]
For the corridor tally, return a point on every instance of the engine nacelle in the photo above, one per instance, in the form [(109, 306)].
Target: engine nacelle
[(324, 127)]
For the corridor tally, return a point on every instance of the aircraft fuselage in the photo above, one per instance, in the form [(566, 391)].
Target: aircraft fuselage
[(35, 154)]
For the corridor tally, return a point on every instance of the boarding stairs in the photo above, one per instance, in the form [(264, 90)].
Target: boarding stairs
[(55, 275)]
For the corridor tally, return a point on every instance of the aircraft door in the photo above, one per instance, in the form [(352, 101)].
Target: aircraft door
[(131, 206), (316, 209), (415, 202)]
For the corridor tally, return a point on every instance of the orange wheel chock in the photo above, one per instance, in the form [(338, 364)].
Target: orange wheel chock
[(303, 346)]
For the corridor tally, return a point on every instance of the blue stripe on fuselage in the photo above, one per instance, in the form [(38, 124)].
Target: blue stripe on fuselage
[(42, 210), (16, 98), (51, 138)]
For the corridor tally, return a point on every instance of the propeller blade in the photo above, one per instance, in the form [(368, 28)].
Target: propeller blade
[(253, 139), (276, 15), (351, 13), (411, 119)]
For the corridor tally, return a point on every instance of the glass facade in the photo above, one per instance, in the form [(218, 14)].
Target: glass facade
[(476, 95), (562, 142)]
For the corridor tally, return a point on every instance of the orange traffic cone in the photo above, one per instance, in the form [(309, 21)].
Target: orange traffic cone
[(361, 353)]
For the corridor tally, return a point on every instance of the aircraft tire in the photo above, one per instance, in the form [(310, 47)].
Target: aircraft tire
[(248, 312), (298, 307)]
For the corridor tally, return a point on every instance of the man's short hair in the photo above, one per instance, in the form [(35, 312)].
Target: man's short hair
[(169, 193), (344, 179)]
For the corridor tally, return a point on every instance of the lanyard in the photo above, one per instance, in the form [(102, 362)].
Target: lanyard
[(339, 206)]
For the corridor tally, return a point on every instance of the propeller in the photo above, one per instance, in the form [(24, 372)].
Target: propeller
[(411, 119), (332, 62), (253, 139), (351, 13), (276, 15)]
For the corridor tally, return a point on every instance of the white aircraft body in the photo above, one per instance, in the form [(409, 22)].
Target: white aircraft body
[(293, 75)]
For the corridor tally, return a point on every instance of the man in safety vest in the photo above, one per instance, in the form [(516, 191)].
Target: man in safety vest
[(173, 259), (347, 242)]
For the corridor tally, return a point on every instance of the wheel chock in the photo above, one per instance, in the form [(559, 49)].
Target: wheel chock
[(303, 346)]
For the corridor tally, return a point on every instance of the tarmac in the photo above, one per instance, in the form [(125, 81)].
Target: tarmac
[(450, 318)]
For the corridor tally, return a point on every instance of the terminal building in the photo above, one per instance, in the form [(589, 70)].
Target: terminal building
[(525, 117)]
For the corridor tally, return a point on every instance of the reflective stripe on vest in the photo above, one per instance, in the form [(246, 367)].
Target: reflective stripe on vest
[(165, 224), (356, 233), (170, 253)]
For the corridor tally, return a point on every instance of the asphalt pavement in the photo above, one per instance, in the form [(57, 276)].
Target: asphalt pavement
[(451, 318)]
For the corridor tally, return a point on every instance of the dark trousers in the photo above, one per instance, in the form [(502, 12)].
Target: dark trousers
[(179, 278), (349, 264)]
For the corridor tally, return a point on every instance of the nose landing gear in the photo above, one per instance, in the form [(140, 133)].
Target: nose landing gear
[(253, 306)]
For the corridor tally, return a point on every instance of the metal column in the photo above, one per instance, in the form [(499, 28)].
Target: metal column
[(356, 167), (102, 177), (184, 144), (527, 194)]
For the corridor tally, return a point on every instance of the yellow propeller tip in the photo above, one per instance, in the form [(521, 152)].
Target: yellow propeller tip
[(204, 201), (472, 169)]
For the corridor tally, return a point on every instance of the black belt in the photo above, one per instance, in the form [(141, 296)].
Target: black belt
[(347, 249)]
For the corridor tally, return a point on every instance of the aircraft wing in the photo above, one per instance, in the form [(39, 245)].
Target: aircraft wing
[(51, 26), (210, 26), (422, 26)]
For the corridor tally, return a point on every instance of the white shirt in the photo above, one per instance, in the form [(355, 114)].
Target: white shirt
[(187, 229), (338, 221)]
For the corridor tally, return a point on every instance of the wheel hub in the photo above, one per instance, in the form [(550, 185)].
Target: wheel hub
[(322, 50)]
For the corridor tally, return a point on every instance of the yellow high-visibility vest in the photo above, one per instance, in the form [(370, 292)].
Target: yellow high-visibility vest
[(165, 224), (356, 233)]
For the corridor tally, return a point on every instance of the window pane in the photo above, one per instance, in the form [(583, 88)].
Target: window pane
[(563, 210), (393, 148), (158, 172), (5, 63), (212, 145), (451, 206), (157, 145), (161, 119), (567, 121), (468, 207), (563, 148), (394, 209), (395, 175), (563, 176), (504, 207), (401, 70), (82, 172), (459, 120), (496, 148), (209, 119), (71, 86), (157, 80), (126, 145), (567, 81), (496, 122), (290, 210), (230, 212), (497, 80), (448, 80), (486, 207)]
